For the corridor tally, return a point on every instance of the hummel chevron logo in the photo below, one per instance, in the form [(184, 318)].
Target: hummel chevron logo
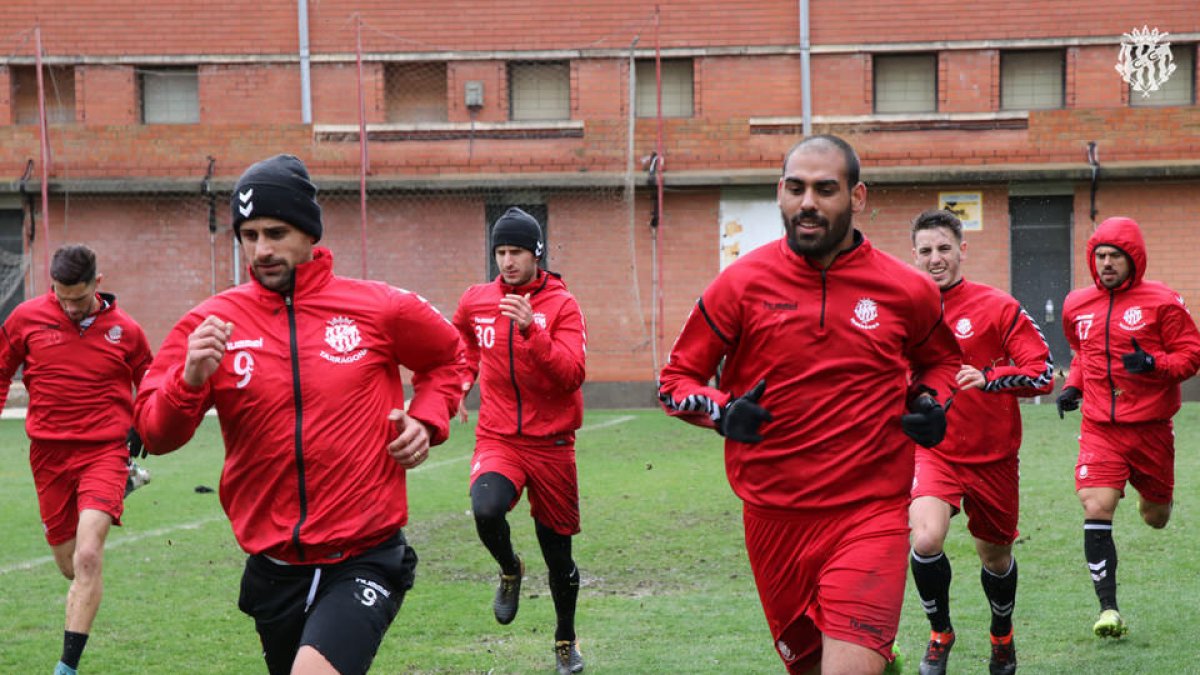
[(247, 205)]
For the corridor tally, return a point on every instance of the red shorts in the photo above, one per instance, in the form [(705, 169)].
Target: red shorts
[(989, 493), (1142, 454), (546, 469), (71, 477), (835, 572)]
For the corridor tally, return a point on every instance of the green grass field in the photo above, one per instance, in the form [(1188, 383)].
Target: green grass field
[(666, 585)]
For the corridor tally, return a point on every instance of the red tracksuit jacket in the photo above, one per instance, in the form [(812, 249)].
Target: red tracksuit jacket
[(1000, 339), (836, 348), (303, 395), (80, 382), (529, 383), (1101, 324)]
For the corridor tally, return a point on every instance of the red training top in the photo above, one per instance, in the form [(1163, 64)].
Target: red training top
[(1001, 340), (80, 379), (303, 394), (529, 381), (836, 347)]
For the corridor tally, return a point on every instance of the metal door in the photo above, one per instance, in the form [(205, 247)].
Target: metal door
[(12, 227), (1041, 264)]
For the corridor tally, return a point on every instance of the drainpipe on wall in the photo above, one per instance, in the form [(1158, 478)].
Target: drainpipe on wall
[(305, 76), (805, 72)]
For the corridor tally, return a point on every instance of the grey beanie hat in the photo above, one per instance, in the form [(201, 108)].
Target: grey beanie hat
[(278, 187), (517, 228)]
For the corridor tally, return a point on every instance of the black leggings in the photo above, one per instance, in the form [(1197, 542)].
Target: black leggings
[(491, 496)]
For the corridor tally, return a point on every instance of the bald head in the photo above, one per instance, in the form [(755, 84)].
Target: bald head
[(828, 143)]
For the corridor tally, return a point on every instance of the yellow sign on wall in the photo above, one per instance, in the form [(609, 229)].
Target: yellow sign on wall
[(967, 206)]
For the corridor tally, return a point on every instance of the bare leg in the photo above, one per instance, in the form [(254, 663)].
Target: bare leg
[(309, 661), (83, 599)]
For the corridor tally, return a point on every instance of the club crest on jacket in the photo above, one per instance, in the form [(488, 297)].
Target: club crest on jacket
[(342, 336)]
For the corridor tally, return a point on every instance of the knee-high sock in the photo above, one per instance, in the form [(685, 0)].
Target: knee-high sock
[(491, 495), (563, 577), (1001, 592), (73, 644), (932, 576), (1101, 555)]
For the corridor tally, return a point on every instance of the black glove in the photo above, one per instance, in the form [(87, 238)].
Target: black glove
[(742, 416), (926, 421), (137, 449), (1068, 400), (1138, 361)]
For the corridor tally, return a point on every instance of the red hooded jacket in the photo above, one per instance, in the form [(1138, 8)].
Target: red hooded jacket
[(529, 382), (1101, 324), (303, 395)]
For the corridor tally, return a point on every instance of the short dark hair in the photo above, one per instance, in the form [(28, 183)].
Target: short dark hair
[(853, 167), (73, 264), (934, 218)]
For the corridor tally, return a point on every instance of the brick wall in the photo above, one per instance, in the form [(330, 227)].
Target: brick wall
[(158, 256), (867, 21)]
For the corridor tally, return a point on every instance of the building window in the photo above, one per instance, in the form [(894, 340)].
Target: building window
[(1031, 80), (492, 213), (677, 88), (1180, 87), (59, 82), (169, 95), (539, 90), (905, 83), (415, 92)]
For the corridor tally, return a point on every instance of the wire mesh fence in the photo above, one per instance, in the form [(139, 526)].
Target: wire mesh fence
[(416, 149), (421, 126)]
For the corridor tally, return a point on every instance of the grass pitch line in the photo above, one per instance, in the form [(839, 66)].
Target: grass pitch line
[(118, 542), (121, 541), (587, 427)]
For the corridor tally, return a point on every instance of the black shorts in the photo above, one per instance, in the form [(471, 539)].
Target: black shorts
[(341, 610)]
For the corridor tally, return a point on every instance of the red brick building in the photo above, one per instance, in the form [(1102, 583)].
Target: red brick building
[(472, 106)]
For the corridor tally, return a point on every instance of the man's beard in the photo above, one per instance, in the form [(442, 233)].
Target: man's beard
[(831, 236), (279, 284)]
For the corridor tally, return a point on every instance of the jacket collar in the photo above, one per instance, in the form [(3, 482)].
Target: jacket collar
[(542, 280), (859, 246), (311, 276)]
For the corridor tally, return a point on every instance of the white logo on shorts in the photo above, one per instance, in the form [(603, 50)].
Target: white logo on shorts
[(368, 592), (1083, 471), (785, 651)]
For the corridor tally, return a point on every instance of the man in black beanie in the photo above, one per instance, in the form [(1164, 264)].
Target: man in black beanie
[(525, 344), (304, 370), (518, 228)]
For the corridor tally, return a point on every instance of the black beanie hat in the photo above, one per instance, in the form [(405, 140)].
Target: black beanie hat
[(517, 228), (278, 187)]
